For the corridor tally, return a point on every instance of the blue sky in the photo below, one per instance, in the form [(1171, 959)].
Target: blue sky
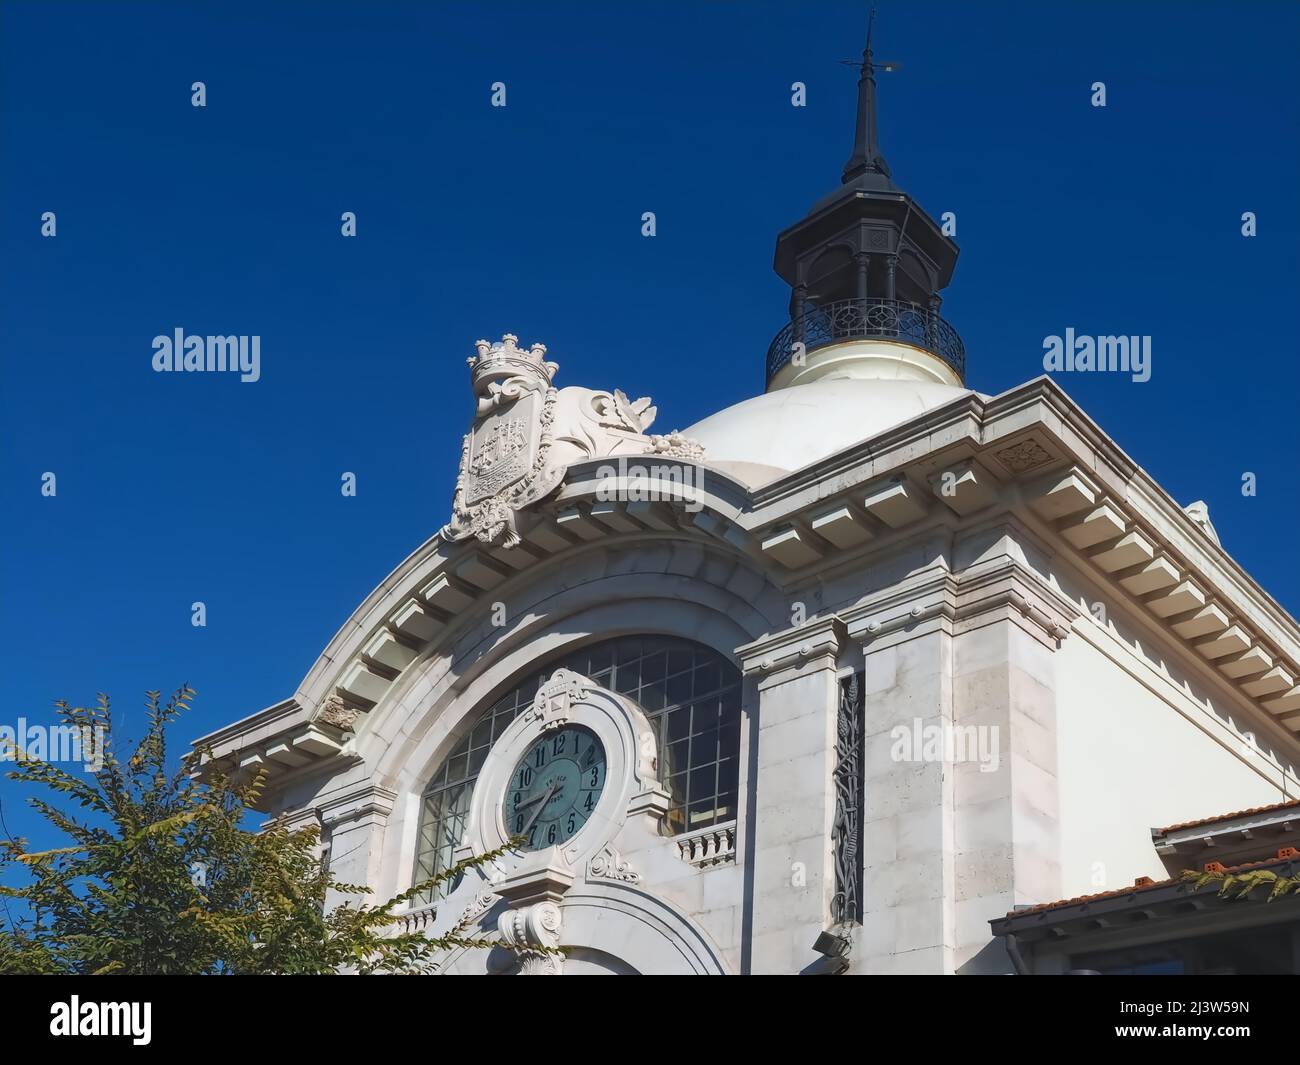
[(474, 221)]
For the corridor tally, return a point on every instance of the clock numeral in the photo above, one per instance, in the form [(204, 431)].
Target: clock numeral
[(548, 769)]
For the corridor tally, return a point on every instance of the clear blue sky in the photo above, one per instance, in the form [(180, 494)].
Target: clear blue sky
[(475, 221)]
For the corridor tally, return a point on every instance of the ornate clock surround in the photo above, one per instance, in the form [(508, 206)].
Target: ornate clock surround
[(631, 788)]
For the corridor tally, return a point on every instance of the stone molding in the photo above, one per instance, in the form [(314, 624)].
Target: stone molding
[(1136, 555), (295, 820), (983, 594), (543, 880), (814, 644), (652, 935), (1146, 673), (370, 802), (885, 491)]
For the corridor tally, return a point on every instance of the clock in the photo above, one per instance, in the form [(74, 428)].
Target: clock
[(555, 787)]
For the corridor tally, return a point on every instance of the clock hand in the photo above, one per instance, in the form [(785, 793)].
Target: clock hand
[(540, 806)]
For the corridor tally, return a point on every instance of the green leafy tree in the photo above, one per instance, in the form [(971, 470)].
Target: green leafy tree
[(1243, 885), (161, 876)]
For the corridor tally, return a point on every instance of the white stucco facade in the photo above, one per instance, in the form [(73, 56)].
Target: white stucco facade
[(990, 565), (826, 682)]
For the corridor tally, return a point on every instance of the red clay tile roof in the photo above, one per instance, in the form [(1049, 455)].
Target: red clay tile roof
[(1145, 883), (1230, 817)]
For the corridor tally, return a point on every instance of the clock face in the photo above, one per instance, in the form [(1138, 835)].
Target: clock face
[(555, 787)]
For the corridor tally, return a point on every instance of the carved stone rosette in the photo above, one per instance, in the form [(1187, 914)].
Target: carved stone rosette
[(533, 932)]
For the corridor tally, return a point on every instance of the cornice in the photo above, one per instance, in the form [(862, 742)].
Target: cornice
[(1030, 453), (816, 642), (366, 801), (1156, 558), (958, 602)]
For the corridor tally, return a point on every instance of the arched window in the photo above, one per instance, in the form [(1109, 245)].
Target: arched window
[(691, 695)]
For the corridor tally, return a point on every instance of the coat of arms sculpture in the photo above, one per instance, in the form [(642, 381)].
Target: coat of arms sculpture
[(526, 433), (503, 461)]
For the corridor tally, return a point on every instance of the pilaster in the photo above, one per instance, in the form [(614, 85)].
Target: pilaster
[(352, 827), (793, 875)]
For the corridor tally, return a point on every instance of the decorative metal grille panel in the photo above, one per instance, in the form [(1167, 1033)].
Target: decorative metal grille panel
[(846, 831)]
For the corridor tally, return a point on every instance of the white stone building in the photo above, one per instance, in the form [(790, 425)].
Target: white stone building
[(834, 678)]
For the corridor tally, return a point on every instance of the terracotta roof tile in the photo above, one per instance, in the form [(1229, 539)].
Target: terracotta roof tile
[(1145, 883), (1230, 817)]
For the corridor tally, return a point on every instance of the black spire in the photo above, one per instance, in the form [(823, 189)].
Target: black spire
[(866, 261), (866, 145)]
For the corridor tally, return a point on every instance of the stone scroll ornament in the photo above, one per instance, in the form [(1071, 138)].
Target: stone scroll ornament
[(526, 433), (533, 932)]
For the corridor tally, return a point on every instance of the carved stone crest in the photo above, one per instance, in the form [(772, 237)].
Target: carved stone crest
[(526, 433), (334, 711), (553, 699), (500, 449), (503, 464)]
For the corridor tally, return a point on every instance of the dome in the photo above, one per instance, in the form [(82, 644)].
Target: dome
[(778, 432)]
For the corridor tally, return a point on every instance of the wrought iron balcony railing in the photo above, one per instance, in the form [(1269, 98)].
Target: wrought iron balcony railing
[(867, 319)]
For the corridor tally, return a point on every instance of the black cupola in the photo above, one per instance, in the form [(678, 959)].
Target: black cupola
[(867, 260)]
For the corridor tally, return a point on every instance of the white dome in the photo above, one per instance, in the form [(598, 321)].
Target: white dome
[(790, 428)]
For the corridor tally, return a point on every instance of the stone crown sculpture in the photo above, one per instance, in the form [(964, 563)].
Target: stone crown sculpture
[(526, 433)]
